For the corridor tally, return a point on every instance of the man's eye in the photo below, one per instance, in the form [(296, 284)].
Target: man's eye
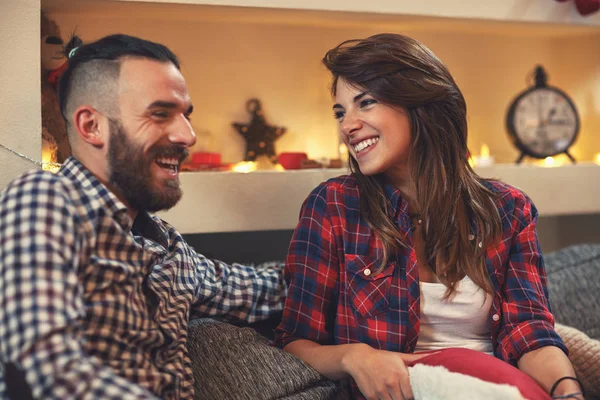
[(338, 115), (160, 114)]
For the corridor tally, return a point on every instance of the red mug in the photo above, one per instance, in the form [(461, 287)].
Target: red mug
[(291, 160), (201, 158)]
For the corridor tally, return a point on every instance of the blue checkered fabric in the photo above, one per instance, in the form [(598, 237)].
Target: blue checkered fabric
[(95, 305)]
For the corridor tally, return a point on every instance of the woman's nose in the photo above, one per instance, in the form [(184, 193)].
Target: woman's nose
[(350, 124)]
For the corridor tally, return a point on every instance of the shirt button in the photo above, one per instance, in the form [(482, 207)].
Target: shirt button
[(367, 272), (496, 317)]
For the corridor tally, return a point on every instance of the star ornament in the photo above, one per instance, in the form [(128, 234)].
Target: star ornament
[(260, 137)]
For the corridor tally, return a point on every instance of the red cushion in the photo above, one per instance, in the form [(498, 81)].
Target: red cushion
[(487, 368)]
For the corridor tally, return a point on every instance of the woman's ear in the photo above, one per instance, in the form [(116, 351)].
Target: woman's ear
[(87, 122)]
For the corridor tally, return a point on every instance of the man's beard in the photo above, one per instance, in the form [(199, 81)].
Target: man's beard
[(131, 176)]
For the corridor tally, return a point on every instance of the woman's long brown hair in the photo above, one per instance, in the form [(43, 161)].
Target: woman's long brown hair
[(452, 199)]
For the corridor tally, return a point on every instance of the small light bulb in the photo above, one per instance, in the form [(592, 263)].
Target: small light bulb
[(549, 162), (485, 151), (244, 166)]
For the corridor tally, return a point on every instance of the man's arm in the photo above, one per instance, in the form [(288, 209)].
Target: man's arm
[(237, 292), (41, 300)]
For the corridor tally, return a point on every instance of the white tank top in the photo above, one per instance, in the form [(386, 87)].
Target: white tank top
[(460, 321)]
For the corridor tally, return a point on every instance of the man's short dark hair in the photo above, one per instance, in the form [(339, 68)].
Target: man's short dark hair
[(110, 49)]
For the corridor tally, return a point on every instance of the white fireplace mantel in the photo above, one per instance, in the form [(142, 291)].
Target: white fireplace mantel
[(270, 200)]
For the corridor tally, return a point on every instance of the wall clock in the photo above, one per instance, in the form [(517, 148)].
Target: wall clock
[(542, 121)]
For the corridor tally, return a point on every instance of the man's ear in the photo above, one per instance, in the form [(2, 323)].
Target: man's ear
[(88, 122)]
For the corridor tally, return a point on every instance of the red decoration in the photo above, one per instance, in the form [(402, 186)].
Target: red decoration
[(292, 160), (585, 7), (206, 159), (54, 76)]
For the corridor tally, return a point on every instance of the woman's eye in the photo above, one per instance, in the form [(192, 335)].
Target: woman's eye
[(338, 115), (367, 102)]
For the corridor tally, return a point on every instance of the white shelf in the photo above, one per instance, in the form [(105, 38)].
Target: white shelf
[(237, 202)]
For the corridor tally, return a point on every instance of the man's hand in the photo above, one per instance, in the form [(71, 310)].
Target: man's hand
[(380, 374)]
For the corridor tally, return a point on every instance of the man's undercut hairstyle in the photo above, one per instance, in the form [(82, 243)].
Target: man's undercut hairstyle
[(93, 70)]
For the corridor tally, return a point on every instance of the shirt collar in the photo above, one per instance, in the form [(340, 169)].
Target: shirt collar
[(398, 204), (96, 192)]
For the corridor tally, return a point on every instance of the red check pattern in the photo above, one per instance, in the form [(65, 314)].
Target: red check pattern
[(334, 298)]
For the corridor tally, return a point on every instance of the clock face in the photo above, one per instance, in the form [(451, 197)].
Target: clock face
[(544, 121)]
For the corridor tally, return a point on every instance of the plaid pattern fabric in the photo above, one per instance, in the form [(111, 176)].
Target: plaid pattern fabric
[(95, 305), (334, 298)]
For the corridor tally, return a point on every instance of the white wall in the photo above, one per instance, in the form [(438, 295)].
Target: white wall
[(228, 59), (20, 116)]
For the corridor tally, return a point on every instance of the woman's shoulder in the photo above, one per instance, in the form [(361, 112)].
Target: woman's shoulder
[(502, 189), (508, 198), (343, 184), (341, 190)]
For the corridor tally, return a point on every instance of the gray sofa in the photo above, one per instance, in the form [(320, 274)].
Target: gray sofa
[(231, 362)]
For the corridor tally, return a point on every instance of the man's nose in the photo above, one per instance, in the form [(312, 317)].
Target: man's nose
[(183, 132)]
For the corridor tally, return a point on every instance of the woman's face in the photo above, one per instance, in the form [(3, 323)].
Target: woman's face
[(377, 135)]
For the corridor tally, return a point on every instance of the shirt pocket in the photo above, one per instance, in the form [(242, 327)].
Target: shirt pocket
[(368, 291)]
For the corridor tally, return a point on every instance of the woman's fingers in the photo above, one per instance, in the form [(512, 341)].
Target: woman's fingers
[(405, 387), (396, 392), (410, 359), (381, 374)]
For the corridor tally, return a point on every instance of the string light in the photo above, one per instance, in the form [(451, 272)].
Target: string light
[(244, 166), (47, 166)]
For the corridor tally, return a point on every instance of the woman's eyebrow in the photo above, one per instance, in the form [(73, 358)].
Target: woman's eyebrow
[(355, 99)]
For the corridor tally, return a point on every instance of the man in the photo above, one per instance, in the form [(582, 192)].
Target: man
[(96, 293)]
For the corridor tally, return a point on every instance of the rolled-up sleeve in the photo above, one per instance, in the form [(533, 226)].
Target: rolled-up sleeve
[(312, 270), (528, 323)]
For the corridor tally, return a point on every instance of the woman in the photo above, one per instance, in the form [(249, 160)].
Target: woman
[(382, 257)]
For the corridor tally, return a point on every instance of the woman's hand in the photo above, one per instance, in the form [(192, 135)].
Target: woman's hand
[(380, 374)]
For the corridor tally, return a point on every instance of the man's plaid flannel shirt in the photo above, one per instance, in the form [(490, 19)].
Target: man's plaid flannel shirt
[(94, 305)]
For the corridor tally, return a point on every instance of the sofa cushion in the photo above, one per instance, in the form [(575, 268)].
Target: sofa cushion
[(230, 362), (584, 354), (574, 287)]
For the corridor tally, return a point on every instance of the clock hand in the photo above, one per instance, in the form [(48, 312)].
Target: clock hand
[(539, 110), (550, 115), (541, 133), (559, 122)]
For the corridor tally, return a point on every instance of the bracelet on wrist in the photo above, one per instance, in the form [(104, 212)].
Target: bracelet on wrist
[(567, 396)]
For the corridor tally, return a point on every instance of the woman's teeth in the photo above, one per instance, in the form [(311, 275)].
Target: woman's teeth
[(364, 144)]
